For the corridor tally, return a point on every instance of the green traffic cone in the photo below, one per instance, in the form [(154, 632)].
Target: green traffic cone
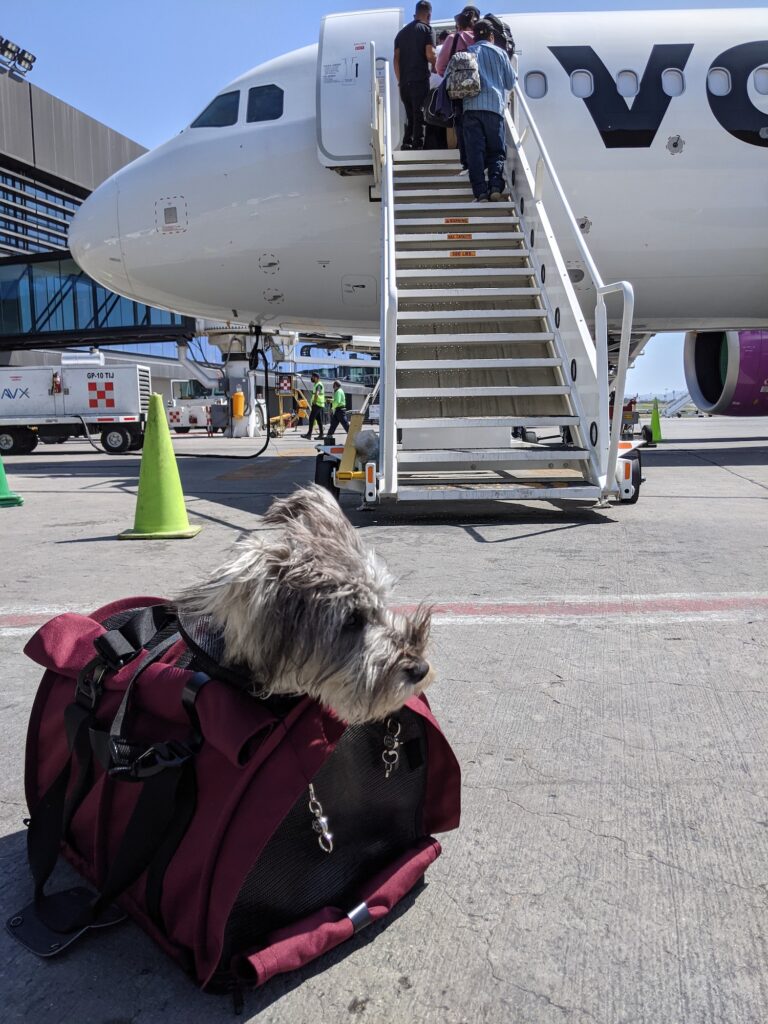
[(160, 510), (8, 498), (656, 422)]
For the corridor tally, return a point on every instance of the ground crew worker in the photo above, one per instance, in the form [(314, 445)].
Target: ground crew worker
[(338, 408), (317, 408)]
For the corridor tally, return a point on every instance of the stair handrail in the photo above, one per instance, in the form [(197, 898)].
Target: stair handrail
[(388, 292), (623, 288)]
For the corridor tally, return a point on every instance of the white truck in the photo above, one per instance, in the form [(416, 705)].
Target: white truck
[(189, 407), (51, 404)]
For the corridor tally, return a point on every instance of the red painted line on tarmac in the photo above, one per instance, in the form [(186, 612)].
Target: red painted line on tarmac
[(682, 605), (19, 621)]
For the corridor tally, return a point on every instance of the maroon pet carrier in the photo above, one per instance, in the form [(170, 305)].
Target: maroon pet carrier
[(246, 836)]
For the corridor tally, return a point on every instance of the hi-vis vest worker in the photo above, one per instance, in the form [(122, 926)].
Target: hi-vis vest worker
[(339, 399), (318, 395)]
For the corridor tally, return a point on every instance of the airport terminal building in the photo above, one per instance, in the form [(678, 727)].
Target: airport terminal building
[(52, 157)]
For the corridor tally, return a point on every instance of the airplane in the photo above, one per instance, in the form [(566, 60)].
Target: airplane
[(657, 123)]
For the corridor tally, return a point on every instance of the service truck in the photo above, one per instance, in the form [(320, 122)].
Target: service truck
[(51, 404)]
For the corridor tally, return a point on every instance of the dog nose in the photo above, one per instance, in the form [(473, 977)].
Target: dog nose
[(416, 671)]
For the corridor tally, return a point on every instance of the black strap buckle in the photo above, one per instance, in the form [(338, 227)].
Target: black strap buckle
[(88, 690), (114, 649), (155, 759)]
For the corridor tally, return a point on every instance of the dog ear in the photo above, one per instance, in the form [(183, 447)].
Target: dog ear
[(312, 507)]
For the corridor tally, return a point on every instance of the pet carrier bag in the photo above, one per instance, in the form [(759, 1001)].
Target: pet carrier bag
[(246, 835)]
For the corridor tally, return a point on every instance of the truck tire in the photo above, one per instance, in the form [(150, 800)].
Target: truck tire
[(324, 475), (116, 440), (17, 441), (181, 430), (637, 478), (137, 442)]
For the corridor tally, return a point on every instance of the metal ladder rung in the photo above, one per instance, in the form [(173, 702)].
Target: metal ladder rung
[(530, 391), (461, 422), (464, 273), (464, 294), (509, 338), (475, 364), (472, 314)]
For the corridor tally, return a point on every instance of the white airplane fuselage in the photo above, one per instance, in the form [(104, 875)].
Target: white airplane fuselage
[(674, 189)]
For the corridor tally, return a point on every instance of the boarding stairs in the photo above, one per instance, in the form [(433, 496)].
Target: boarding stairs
[(493, 386), (677, 405)]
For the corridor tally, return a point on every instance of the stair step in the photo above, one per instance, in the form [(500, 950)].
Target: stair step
[(455, 196), (455, 223), (463, 294), (463, 422), (439, 365), (457, 240), (446, 456), (463, 273), (446, 178), (410, 316), (524, 338), (530, 391), (431, 157), (457, 259), (577, 491)]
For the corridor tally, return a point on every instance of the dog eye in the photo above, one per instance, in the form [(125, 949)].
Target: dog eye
[(353, 621)]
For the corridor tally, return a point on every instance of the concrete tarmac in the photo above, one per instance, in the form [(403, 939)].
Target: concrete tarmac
[(603, 676)]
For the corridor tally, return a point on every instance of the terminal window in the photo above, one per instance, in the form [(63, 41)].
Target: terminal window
[(33, 218), (265, 103), (220, 113)]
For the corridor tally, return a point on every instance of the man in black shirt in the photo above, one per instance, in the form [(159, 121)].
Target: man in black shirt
[(414, 54)]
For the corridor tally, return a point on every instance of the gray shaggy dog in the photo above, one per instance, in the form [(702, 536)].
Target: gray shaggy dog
[(302, 605)]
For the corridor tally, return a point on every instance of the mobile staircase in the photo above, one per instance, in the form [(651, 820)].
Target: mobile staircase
[(492, 385)]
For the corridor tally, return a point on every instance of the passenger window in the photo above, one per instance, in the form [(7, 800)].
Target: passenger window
[(673, 82), (761, 81), (265, 103), (220, 113), (536, 85), (628, 84), (582, 84), (719, 81)]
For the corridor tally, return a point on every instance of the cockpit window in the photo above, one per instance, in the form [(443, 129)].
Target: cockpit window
[(265, 103), (220, 112)]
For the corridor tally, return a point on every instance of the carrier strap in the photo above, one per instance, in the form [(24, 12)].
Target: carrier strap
[(168, 793)]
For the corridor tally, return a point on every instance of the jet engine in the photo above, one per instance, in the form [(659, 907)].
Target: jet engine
[(727, 371)]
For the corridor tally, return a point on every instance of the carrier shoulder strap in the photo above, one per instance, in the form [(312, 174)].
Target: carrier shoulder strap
[(164, 768)]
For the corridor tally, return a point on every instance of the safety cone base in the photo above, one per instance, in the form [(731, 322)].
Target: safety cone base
[(11, 500), (161, 534)]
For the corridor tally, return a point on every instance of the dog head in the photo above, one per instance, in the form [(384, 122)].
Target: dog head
[(303, 605)]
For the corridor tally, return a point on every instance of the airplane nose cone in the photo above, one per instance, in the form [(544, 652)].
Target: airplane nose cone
[(94, 239)]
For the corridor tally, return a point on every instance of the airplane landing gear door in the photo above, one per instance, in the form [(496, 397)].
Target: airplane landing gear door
[(345, 83)]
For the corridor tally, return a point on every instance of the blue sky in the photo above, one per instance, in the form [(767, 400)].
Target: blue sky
[(148, 67)]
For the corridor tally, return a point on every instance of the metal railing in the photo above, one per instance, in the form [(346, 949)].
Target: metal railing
[(382, 129), (545, 167)]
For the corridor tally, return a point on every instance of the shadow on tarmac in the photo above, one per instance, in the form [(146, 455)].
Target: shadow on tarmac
[(487, 514), (680, 457), (123, 957)]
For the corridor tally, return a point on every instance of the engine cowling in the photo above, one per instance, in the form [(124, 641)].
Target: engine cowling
[(727, 372)]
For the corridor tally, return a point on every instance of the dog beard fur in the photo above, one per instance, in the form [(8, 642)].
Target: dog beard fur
[(302, 604)]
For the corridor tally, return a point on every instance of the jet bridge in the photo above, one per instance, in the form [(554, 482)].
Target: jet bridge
[(495, 384)]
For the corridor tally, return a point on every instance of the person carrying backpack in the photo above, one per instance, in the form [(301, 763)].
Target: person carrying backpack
[(484, 128), (458, 42)]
